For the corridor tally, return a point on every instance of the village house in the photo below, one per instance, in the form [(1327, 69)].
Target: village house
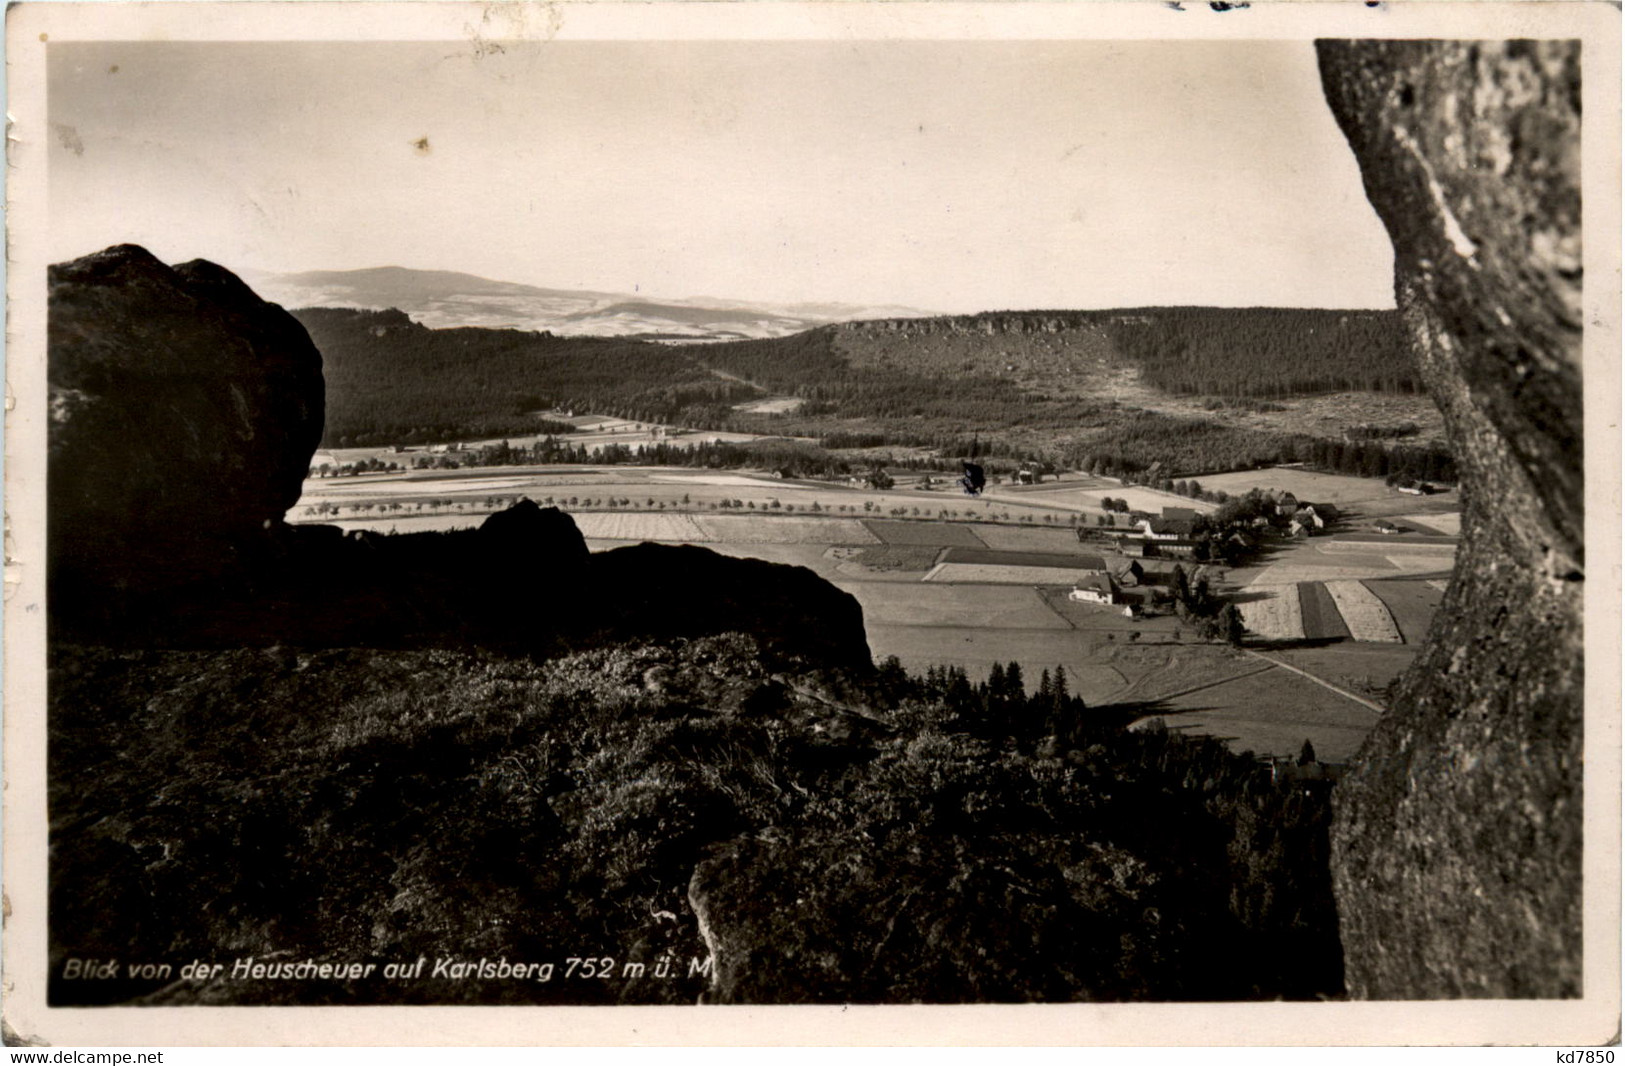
[(1096, 588)]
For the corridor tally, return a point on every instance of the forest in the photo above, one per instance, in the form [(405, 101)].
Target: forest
[(1267, 351), (392, 381), (1254, 352)]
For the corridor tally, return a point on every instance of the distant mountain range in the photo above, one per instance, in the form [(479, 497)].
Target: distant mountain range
[(443, 299)]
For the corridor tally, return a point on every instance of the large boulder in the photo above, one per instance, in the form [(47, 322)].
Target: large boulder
[(1457, 843), (657, 591), (184, 412)]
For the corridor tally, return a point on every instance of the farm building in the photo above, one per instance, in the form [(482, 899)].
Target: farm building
[(1167, 528), (1096, 588), (1328, 511), (1126, 572), (1150, 548), (1182, 514)]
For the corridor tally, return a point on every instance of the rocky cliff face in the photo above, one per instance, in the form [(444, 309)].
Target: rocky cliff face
[(184, 411), (1457, 843)]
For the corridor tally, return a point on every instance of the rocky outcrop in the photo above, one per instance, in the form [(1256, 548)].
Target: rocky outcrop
[(1458, 839), (184, 411), (660, 591)]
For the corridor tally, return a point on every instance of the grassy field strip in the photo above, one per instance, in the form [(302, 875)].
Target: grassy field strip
[(897, 557), (961, 610), (1382, 547), (938, 534), (1366, 616), (1027, 539), (1279, 616), (1060, 560), (1070, 498), (1297, 575), (1151, 694), (429, 523), (993, 574), (1421, 564), (765, 529), (659, 527), (713, 479), (1345, 693), (1446, 522)]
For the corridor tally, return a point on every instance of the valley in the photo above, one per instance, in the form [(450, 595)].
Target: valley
[(896, 551)]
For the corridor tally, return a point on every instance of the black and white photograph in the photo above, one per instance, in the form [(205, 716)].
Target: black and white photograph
[(687, 507)]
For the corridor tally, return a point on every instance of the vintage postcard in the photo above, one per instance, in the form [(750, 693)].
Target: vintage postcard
[(838, 523)]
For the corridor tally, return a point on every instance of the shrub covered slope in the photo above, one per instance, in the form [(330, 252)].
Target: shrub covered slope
[(814, 839)]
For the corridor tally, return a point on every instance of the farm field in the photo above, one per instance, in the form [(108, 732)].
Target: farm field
[(1448, 523), (1085, 496), (1273, 613), (1273, 712), (1028, 539), (1346, 558), (981, 606), (1365, 615), (1056, 560), (758, 529), (991, 573), (1309, 486), (941, 535), (1363, 669), (375, 498), (1321, 618), (676, 528), (954, 607), (1412, 602), (916, 558)]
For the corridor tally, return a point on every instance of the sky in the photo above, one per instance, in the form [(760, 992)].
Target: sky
[(951, 176)]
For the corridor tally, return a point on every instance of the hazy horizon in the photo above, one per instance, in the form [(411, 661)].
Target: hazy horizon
[(943, 176)]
